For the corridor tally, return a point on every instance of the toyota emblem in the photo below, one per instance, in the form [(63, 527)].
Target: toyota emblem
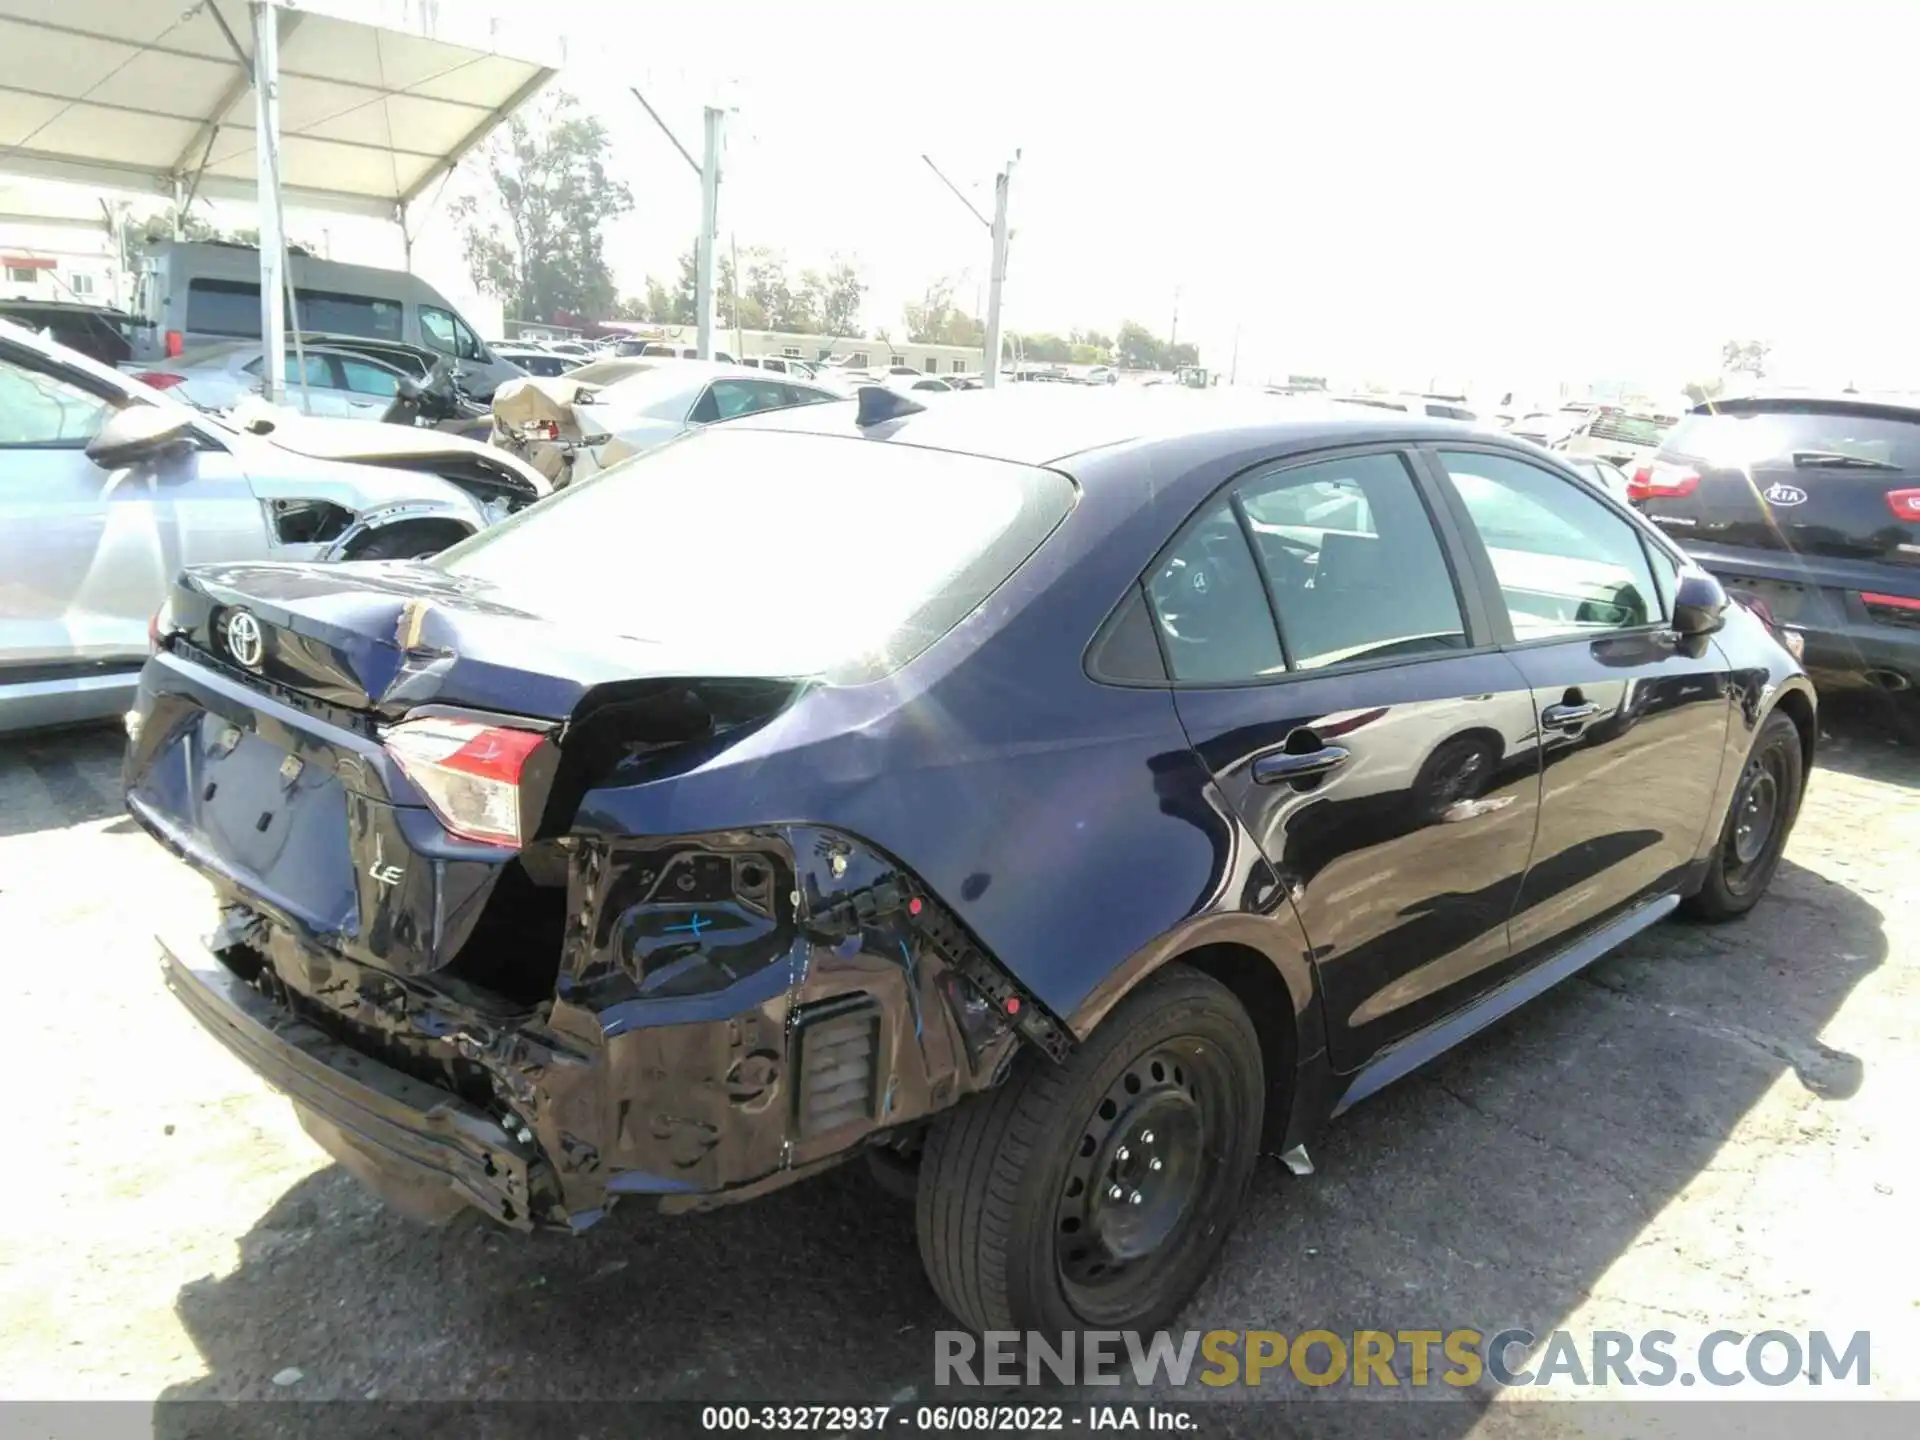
[(244, 639)]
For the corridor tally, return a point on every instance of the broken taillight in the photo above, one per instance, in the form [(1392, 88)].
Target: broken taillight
[(161, 379), (1905, 504), (469, 773)]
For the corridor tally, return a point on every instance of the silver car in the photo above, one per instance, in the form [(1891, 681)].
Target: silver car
[(109, 487), (337, 382)]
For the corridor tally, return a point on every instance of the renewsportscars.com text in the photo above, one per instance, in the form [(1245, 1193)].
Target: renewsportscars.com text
[(1404, 1358)]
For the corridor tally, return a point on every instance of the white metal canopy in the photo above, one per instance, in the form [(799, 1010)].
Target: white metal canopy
[(378, 99)]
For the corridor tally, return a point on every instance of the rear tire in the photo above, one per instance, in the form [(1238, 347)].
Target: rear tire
[(1097, 1193), (1765, 803)]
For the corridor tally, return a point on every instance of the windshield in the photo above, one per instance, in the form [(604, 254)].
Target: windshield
[(705, 544), (1729, 440)]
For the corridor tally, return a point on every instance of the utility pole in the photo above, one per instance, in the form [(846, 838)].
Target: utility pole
[(1173, 330), (997, 278), (997, 275), (709, 228), (1233, 376), (266, 136), (707, 243)]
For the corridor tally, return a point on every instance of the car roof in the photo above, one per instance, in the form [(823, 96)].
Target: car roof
[(1047, 424), (1903, 404)]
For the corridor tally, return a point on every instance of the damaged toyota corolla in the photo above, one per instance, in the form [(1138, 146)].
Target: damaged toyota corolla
[(1059, 800)]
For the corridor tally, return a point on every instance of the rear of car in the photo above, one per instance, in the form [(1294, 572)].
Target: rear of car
[(478, 988), (1811, 505)]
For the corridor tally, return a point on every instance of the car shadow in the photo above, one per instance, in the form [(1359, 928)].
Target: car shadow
[(1495, 1188), (1861, 734), (50, 779)]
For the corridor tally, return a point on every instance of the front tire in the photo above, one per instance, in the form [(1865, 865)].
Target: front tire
[(1765, 803), (1097, 1193)]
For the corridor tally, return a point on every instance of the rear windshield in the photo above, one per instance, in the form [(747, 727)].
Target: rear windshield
[(765, 553), (232, 307), (1629, 429), (1731, 440)]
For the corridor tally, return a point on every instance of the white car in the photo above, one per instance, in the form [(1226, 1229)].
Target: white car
[(110, 486), (568, 430)]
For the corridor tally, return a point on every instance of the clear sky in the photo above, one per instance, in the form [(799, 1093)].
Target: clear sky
[(1502, 193)]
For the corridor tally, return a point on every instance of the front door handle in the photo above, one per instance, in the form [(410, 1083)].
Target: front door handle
[(1565, 717), (1283, 766)]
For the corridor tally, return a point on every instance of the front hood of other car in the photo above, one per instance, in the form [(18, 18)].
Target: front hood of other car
[(363, 442)]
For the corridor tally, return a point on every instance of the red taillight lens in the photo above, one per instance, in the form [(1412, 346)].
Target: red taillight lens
[(1905, 504), (161, 380), (159, 626), (176, 344), (1891, 602), (1662, 481), (469, 773)]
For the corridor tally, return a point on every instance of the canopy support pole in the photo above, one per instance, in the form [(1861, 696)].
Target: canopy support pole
[(266, 95)]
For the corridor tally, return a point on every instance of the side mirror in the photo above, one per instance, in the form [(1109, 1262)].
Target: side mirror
[(1699, 605), (140, 432)]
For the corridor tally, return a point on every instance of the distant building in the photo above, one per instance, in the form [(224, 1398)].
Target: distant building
[(57, 243), (861, 351)]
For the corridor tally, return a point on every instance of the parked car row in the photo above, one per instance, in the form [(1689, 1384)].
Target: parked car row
[(111, 485)]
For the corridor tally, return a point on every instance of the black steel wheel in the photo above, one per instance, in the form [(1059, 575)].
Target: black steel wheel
[(1096, 1193), (1766, 800)]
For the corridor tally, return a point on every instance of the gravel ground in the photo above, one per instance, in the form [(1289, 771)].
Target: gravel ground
[(1713, 1127)]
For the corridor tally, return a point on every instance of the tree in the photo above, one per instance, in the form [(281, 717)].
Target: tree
[(1093, 340), (1701, 391), (1745, 357), (935, 320), (550, 182), (1182, 354), (1139, 348), (1045, 349), (841, 293)]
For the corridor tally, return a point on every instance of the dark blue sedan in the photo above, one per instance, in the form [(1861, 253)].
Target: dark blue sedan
[(1059, 799)]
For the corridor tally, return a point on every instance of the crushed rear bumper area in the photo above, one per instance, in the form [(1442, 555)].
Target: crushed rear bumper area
[(426, 1152)]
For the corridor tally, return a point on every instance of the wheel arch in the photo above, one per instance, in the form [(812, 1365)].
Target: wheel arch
[(1264, 962), (386, 517), (1796, 703)]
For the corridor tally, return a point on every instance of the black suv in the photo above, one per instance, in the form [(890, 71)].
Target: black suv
[(1812, 505)]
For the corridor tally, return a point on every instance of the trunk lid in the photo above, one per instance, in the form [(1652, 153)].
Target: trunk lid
[(264, 756), (1816, 479), (384, 639)]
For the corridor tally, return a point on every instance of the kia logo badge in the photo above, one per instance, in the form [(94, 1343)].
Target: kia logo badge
[(1786, 495), (244, 639)]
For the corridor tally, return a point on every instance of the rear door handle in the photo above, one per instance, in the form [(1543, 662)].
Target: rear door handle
[(1565, 717), (1282, 766)]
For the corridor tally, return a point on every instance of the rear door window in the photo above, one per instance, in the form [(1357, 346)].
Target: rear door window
[(1566, 562), (1354, 564), (1213, 613), (365, 378)]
